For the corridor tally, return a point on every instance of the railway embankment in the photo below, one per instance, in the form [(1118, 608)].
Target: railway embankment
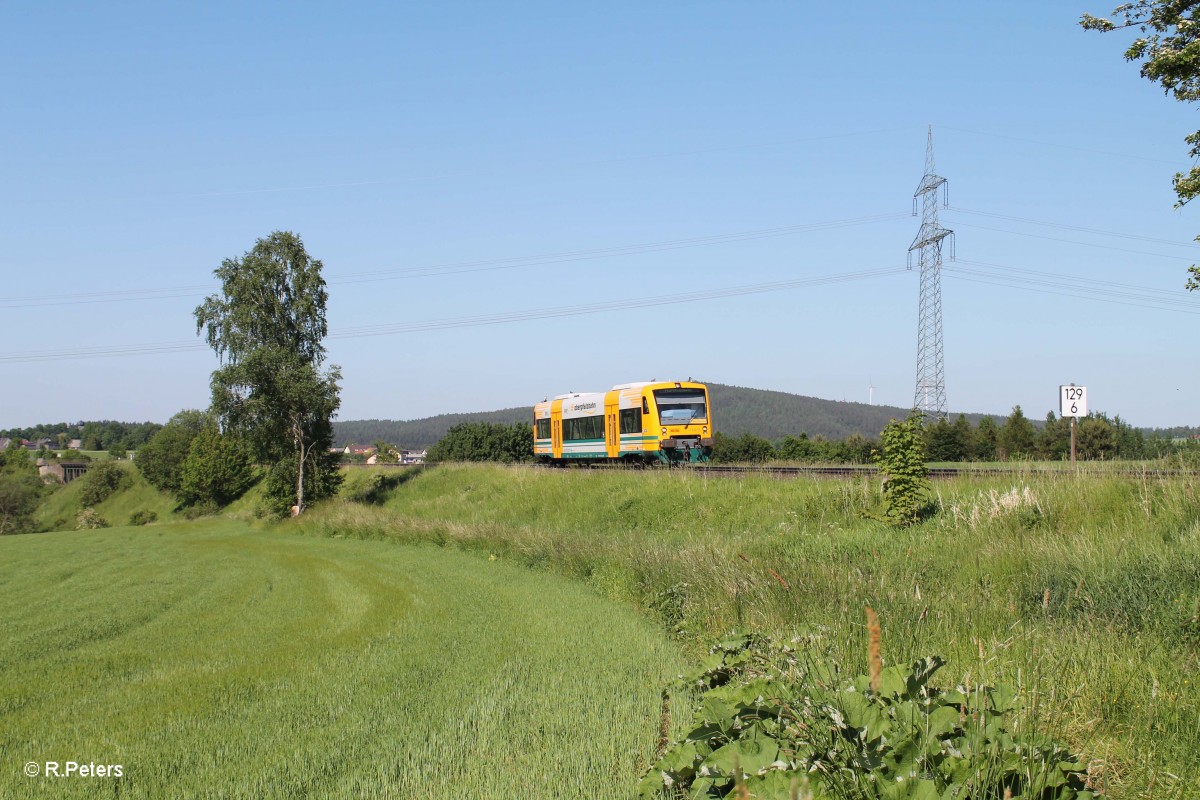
[(1082, 590)]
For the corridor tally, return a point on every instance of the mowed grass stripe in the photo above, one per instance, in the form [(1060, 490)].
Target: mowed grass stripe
[(213, 660)]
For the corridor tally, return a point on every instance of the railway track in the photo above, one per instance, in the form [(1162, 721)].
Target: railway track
[(863, 471), (848, 471)]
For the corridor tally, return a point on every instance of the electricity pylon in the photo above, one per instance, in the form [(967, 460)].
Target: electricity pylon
[(930, 395)]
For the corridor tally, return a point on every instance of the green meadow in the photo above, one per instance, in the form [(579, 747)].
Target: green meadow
[(213, 659), (478, 631)]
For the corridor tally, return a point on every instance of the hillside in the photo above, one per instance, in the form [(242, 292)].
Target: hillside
[(737, 410)]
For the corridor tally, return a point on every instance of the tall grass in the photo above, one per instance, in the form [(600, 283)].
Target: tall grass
[(1082, 589)]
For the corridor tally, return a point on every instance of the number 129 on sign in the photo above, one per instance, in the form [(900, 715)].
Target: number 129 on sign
[(1072, 401)]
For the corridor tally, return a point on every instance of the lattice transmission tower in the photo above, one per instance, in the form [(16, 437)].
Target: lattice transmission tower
[(930, 395)]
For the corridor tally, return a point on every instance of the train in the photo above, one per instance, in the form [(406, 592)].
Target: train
[(650, 422)]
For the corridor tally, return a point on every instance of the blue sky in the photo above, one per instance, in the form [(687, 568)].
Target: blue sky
[(457, 161)]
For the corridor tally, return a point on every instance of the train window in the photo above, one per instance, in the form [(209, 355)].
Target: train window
[(680, 406), (631, 420), (580, 428), (543, 429)]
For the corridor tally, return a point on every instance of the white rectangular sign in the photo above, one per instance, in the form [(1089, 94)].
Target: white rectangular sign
[(1072, 401)]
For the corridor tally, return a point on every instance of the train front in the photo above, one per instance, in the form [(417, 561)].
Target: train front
[(682, 418)]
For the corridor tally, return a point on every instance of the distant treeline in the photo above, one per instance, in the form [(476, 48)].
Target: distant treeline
[(736, 410), (1096, 438), (773, 417), (98, 435), (419, 434)]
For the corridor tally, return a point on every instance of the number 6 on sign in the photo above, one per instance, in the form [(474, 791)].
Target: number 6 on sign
[(1072, 401)]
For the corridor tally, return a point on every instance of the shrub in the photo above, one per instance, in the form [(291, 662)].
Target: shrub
[(142, 517), (101, 482), (204, 508), (484, 441), (906, 475), (89, 520), (19, 496), (217, 468), (770, 718), (161, 459)]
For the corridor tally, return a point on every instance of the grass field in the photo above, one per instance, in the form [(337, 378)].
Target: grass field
[(212, 659), (1084, 591)]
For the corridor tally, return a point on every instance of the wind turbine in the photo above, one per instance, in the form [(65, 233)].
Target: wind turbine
[(870, 392)]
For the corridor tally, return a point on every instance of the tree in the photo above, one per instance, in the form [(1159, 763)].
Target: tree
[(161, 459), (1096, 438), (1169, 49), (943, 442), (796, 448), (101, 482), (964, 438), (1054, 442), (267, 327), (987, 439), (20, 490), (1017, 436), (217, 469)]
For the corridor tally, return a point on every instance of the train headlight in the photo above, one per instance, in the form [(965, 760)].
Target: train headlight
[(705, 430), (664, 431)]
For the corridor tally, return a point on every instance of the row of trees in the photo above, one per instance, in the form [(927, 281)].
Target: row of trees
[(1096, 438), (95, 435)]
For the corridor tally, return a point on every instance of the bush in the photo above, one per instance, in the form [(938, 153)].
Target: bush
[(204, 508), (906, 489), (142, 517), (19, 496), (101, 482), (217, 469), (161, 459), (485, 441), (770, 719), (744, 448), (89, 520)]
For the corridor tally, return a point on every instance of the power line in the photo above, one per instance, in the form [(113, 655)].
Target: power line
[(454, 268), (1072, 241), (1167, 295), (1064, 226), (1066, 286), (468, 321)]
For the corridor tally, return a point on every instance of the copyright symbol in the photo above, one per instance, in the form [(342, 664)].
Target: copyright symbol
[(31, 769)]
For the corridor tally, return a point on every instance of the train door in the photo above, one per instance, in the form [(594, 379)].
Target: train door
[(612, 430), (556, 434)]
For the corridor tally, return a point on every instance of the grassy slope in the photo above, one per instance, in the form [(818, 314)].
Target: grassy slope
[(60, 509), (214, 659), (1083, 591)]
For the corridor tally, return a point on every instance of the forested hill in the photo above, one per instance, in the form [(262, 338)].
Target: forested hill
[(417, 434), (736, 410)]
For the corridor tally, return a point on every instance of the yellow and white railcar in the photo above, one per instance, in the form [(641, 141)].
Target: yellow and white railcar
[(663, 421)]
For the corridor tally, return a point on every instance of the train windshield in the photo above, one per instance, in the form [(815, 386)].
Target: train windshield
[(680, 406)]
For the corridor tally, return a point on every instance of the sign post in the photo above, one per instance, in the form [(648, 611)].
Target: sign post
[(1072, 402)]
